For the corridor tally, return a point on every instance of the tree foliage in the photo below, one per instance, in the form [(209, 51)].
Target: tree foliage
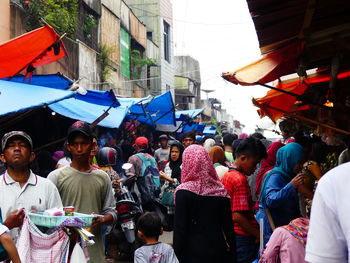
[(60, 14)]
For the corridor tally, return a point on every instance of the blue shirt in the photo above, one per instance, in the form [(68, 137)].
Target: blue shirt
[(282, 200)]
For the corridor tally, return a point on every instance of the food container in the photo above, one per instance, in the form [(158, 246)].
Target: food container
[(69, 210), (52, 221)]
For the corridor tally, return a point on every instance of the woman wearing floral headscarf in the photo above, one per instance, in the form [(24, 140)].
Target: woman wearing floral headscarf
[(203, 230), (287, 243)]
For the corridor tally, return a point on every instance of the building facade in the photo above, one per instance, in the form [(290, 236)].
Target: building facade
[(157, 15), (187, 83)]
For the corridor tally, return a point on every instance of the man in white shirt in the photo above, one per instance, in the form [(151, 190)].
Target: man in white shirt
[(20, 189), (329, 232)]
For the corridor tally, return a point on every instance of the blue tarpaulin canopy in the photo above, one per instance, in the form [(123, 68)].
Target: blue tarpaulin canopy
[(56, 81), (153, 111), (209, 130), (89, 112), (88, 107), (18, 97), (185, 114)]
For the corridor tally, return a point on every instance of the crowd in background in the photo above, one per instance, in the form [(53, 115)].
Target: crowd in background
[(220, 189)]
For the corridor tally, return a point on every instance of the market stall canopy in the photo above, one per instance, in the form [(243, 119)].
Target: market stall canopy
[(33, 49), (56, 81), (18, 97), (157, 110), (185, 114), (184, 122), (209, 130), (88, 112), (270, 67), (88, 106), (61, 82), (275, 104), (322, 24)]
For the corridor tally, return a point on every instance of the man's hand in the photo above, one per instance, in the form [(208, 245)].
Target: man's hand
[(102, 220), (14, 219), (297, 180)]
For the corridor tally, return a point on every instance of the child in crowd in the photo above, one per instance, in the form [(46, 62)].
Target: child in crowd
[(149, 230), (7, 245)]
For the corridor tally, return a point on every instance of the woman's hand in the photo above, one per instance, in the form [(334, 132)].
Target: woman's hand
[(297, 180), (306, 192)]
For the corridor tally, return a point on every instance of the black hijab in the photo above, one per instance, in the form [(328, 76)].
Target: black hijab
[(176, 166)]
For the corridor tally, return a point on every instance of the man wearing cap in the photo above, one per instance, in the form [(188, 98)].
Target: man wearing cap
[(20, 189), (162, 154), (86, 188), (140, 146)]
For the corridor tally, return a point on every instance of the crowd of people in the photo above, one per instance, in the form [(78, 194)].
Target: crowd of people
[(229, 198)]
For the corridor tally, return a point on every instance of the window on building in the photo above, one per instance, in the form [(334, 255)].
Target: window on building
[(150, 35), (166, 35)]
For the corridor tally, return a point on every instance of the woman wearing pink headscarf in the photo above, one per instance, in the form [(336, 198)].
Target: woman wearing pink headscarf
[(203, 230)]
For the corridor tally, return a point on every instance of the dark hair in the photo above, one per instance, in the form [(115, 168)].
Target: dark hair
[(150, 224), (189, 134), (228, 139), (258, 135), (251, 147)]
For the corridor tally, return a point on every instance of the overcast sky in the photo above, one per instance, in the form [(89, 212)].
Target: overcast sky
[(221, 36)]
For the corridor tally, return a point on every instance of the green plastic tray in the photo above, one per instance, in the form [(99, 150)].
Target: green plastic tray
[(52, 221)]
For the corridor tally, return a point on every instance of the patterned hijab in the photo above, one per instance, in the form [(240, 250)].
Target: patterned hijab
[(298, 228), (198, 174)]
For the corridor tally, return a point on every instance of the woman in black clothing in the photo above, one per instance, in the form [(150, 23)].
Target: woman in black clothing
[(203, 230)]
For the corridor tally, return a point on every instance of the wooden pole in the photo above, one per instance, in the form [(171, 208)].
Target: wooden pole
[(302, 118)]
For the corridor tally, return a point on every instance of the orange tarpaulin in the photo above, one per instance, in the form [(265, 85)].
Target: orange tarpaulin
[(35, 48), (270, 67), (279, 100), (274, 100)]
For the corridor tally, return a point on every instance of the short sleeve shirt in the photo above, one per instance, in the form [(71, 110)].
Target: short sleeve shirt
[(329, 232), (237, 187)]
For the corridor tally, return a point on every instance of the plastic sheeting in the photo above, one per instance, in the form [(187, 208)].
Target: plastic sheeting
[(153, 111), (88, 112), (55, 81), (16, 97), (209, 130), (36, 48), (270, 67), (183, 115)]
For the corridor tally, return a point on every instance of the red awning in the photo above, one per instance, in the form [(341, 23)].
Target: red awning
[(276, 104), (270, 67), (35, 48)]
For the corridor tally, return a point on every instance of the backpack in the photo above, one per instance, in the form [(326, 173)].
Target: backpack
[(148, 182)]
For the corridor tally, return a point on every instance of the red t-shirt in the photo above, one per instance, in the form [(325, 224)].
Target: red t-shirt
[(237, 187)]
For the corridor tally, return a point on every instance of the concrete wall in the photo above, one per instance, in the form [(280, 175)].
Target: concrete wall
[(166, 11), (68, 66), (88, 67), (113, 6), (167, 68), (5, 20), (95, 5), (187, 66), (110, 30), (148, 11), (17, 22)]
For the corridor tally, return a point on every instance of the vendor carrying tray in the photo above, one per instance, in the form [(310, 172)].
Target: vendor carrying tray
[(53, 221)]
